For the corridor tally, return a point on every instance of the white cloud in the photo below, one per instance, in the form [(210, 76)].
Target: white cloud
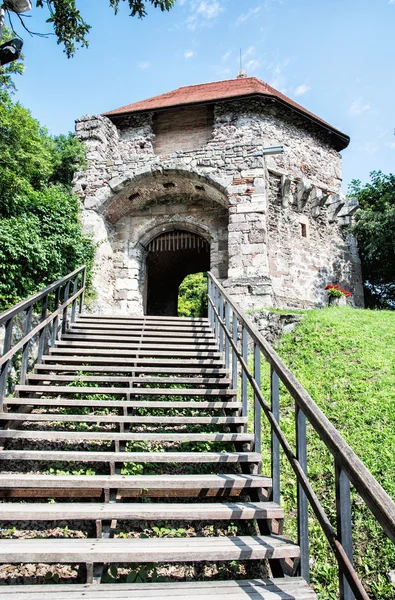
[(392, 145), (226, 56), (301, 89), (249, 52), (276, 69), (144, 65), (209, 9), (222, 72), (358, 107), (189, 54), (203, 13), (252, 65), (391, 1), (246, 16)]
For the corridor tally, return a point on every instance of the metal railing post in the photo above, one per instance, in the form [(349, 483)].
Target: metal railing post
[(303, 507), (25, 349), (83, 284), (221, 316), (55, 322), (235, 327), (43, 332), (209, 307), (66, 296), (74, 303), (257, 406), (214, 314), (344, 525), (244, 387), (4, 367), (227, 345), (275, 407)]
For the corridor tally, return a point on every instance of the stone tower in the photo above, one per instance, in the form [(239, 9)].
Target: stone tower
[(182, 183)]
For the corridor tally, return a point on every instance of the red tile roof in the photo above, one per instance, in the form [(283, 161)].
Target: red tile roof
[(222, 90)]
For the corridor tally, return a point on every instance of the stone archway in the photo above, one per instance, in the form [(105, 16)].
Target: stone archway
[(150, 205), (171, 256)]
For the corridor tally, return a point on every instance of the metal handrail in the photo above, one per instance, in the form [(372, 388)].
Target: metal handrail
[(24, 304), (348, 467), (67, 291)]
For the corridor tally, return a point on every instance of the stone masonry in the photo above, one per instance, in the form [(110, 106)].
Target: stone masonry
[(277, 225)]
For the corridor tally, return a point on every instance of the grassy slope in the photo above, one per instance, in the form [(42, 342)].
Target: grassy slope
[(345, 358)]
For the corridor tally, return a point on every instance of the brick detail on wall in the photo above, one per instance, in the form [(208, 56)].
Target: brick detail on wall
[(182, 129)]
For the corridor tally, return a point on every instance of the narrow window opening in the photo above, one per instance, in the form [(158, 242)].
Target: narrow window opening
[(303, 229)]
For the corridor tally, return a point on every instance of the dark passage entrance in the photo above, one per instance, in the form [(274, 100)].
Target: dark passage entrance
[(171, 257)]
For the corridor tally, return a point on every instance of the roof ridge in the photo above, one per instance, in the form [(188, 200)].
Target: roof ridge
[(218, 81)]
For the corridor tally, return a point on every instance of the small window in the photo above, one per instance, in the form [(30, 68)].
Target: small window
[(304, 226)]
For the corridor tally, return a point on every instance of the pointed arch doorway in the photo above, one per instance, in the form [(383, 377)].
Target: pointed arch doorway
[(171, 256)]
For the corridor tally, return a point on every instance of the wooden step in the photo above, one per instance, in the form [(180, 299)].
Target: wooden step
[(132, 486), (137, 420), (116, 391), (122, 330), (210, 381), (201, 371), (169, 354), (141, 511), (134, 327), (127, 457), (31, 434), (135, 345), (148, 483), (207, 363), (126, 336), (146, 319), (137, 550), (111, 404), (287, 588)]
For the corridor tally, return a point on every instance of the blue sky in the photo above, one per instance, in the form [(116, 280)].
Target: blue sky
[(335, 57)]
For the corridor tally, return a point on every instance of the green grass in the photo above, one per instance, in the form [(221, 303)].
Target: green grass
[(345, 359)]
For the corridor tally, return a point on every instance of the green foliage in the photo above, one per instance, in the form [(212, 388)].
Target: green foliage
[(375, 232), (68, 156), (13, 68), (41, 238), (192, 296), (70, 27), (345, 359)]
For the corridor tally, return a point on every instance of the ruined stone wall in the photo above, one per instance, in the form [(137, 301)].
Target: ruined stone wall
[(259, 248)]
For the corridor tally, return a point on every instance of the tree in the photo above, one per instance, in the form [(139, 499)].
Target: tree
[(375, 232), (13, 68), (72, 30), (192, 296), (41, 235)]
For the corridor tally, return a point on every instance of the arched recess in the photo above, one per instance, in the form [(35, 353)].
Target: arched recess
[(171, 256), (149, 206)]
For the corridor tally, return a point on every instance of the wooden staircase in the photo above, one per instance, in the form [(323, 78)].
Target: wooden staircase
[(126, 424)]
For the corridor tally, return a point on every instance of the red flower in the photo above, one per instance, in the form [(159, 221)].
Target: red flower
[(336, 287), (329, 286), (343, 290), (348, 294)]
